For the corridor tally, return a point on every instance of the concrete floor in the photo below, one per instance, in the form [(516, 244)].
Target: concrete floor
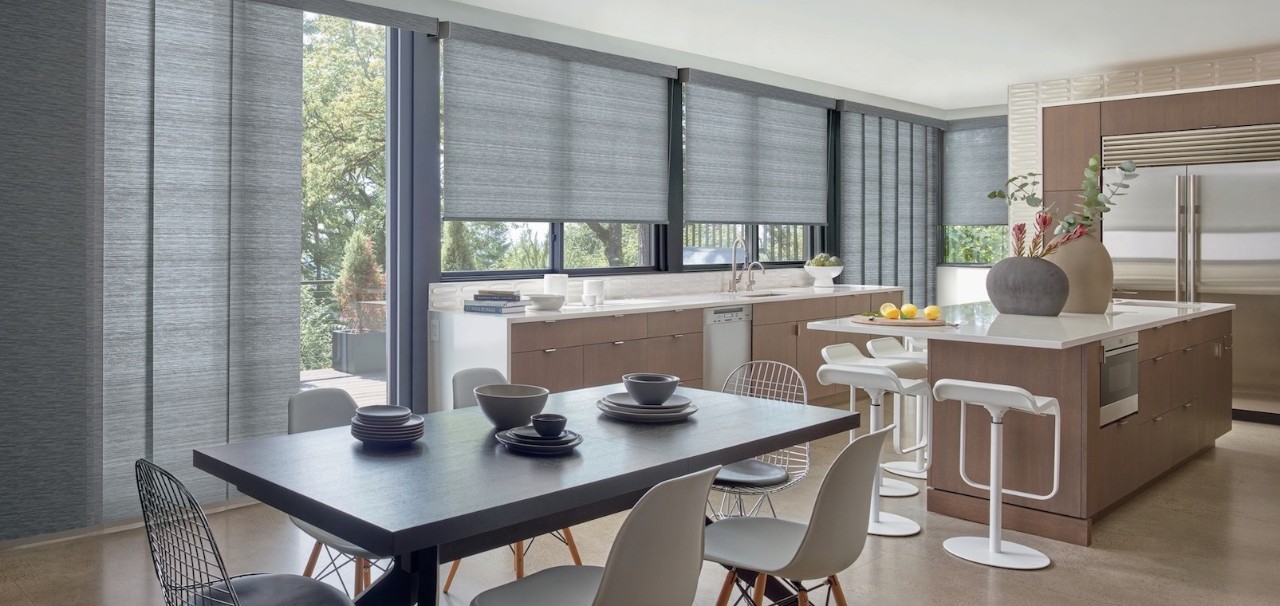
[(1207, 534)]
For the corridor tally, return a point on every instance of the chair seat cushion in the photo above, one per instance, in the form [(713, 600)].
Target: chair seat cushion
[(286, 589), (559, 586), (335, 542), (763, 544), (752, 473)]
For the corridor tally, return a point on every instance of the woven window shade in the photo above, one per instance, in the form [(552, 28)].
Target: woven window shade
[(753, 153), (536, 131), (975, 161)]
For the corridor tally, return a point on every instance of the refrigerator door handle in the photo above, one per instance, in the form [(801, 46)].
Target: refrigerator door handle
[(1180, 239), (1193, 238)]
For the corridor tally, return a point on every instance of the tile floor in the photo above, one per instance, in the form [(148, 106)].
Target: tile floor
[(1207, 534)]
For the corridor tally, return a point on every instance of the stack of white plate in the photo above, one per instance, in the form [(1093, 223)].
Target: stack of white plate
[(386, 426), (622, 406)]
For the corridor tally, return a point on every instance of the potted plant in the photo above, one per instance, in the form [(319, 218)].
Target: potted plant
[(1026, 283), (824, 268), (361, 346), (1086, 262)]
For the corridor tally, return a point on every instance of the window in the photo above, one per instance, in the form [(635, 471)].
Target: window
[(783, 243), (711, 243), (604, 245), (468, 246), (975, 161), (975, 244)]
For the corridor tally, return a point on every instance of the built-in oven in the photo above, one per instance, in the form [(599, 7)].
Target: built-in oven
[(1119, 384)]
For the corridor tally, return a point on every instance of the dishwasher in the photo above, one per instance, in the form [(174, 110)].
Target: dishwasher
[(726, 343)]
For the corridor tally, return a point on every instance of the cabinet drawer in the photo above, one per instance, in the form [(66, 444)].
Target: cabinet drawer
[(677, 322), (852, 306), (605, 363), (621, 327), (793, 311), (679, 355), (1210, 328), (557, 369), (1121, 448), (548, 334), (880, 298)]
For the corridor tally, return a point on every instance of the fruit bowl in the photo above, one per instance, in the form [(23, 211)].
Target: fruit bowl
[(823, 276)]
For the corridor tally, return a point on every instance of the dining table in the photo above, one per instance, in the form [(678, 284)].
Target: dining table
[(457, 491)]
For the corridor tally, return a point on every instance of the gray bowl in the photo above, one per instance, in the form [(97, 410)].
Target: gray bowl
[(509, 406), (649, 387)]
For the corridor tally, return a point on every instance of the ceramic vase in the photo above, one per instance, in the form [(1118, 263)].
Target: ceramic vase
[(1089, 271), (1027, 286)]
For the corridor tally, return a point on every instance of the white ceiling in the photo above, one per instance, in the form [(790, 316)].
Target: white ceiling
[(946, 54)]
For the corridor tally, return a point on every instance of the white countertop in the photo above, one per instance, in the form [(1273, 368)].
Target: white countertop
[(674, 302), (981, 323)]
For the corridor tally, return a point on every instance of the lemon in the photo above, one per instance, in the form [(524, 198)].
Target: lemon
[(889, 307), (909, 311), (932, 312)]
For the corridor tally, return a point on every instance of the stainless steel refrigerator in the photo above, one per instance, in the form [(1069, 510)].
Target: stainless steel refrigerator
[(1209, 233)]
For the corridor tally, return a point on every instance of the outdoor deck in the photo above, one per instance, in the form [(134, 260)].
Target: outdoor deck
[(365, 389)]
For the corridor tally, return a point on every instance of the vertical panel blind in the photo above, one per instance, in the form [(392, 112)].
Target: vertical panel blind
[(975, 161), (889, 198), (537, 131), (753, 153)]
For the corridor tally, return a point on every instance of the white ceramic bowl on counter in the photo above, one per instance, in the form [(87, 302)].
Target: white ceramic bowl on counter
[(544, 302)]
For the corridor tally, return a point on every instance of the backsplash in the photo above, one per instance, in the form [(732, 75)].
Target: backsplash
[(449, 295)]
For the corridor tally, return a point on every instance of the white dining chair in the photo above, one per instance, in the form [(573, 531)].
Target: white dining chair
[(312, 410), (768, 473), (465, 383), (830, 542), (656, 557)]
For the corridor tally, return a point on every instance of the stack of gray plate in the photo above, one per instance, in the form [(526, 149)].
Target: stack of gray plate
[(622, 406), (386, 426), (526, 440)]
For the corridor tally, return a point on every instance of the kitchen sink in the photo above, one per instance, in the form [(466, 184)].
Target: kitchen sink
[(757, 295)]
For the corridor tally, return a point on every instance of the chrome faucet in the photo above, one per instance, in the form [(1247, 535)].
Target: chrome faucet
[(751, 280), (735, 274)]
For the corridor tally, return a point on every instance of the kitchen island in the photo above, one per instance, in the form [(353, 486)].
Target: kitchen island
[(1184, 386)]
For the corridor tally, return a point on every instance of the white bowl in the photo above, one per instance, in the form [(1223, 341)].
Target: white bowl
[(545, 302), (510, 405), (823, 277)]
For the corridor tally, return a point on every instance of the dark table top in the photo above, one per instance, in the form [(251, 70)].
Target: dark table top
[(458, 481)]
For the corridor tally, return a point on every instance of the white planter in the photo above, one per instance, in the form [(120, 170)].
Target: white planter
[(823, 277)]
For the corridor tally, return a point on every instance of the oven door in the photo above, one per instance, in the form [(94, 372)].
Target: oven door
[(1119, 385)]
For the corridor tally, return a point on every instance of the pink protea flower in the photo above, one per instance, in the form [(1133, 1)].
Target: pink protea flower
[(1019, 235), (1043, 221)]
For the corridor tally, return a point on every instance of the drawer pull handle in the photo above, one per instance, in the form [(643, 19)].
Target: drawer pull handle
[(1158, 358), (617, 315), (619, 342), (677, 336), (1124, 422), (552, 350), (1158, 419), (1188, 404), (548, 321)]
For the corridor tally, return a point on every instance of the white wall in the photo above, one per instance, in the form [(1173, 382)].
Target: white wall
[(961, 285)]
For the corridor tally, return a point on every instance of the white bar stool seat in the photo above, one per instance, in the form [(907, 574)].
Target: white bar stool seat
[(876, 380), (992, 550), (889, 348)]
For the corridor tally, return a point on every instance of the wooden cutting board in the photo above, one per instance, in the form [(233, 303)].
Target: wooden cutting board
[(899, 322)]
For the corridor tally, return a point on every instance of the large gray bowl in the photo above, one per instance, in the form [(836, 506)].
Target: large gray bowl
[(509, 406), (650, 387)]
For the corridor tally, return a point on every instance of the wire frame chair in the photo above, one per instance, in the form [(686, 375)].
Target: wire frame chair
[(187, 561), (774, 381)]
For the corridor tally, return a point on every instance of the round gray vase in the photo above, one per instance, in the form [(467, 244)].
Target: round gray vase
[(1027, 286)]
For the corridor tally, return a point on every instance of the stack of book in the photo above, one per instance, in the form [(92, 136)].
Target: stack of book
[(496, 302)]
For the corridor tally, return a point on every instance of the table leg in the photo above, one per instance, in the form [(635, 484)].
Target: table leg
[(412, 579)]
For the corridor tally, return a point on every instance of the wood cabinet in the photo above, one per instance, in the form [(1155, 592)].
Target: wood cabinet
[(557, 368), (679, 355), (1188, 111), (776, 342), (605, 363), (1071, 134)]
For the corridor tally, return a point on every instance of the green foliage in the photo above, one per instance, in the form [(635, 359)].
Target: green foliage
[(1021, 188), (317, 327), (783, 243), (1096, 201), (344, 145), (589, 245), (976, 244), (360, 280), (529, 251), (457, 247)]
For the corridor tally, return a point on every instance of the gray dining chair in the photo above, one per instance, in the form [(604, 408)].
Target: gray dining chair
[(769, 473), (655, 558), (790, 551), (312, 410), (189, 565), (465, 383)]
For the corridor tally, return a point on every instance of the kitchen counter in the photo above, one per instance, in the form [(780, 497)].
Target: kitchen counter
[(679, 302), (981, 323)]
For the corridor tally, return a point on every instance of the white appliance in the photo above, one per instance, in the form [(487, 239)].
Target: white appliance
[(726, 343), (1118, 388), (1201, 223)]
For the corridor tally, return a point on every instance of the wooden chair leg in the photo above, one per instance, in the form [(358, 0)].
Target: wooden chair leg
[(359, 576), (311, 562), (519, 548), (368, 573), (573, 547), (802, 598), (837, 591), (453, 569), (757, 596), (726, 590)]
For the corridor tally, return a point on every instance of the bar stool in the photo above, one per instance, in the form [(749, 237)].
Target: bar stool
[(848, 354), (891, 349), (999, 399), (876, 380)]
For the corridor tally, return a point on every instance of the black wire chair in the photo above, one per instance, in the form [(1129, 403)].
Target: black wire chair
[(187, 561)]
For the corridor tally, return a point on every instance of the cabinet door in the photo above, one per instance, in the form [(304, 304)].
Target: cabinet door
[(557, 369), (679, 355), (880, 298), (775, 342), (1153, 388), (1119, 468), (1188, 111), (605, 363), (675, 322), (792, 311), (1072, 133), (809, 344)]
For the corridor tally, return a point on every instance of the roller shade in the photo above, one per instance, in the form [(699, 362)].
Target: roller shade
[(975, 161), (537, 131), (753, 153)]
